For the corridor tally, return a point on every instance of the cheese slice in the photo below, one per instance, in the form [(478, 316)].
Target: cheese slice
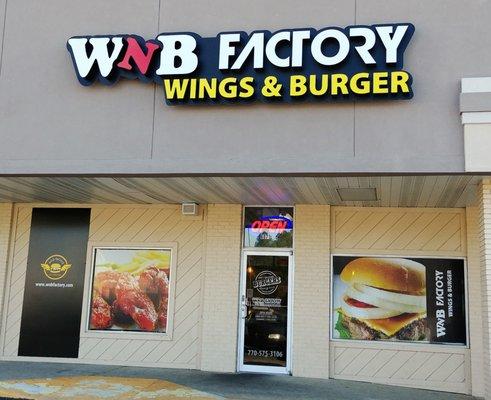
[(390, 326)]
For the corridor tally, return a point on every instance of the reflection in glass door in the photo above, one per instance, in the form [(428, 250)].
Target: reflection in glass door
[(264, 344)]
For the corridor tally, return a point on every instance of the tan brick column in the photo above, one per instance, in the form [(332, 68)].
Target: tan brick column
[(475, 299), (5, 226), (221, 288), (311, 291), (484, 196)]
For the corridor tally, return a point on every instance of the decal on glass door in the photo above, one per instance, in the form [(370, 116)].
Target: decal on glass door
[(266, 320)]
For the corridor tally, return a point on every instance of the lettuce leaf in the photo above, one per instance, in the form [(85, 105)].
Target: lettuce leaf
[(343, 332)]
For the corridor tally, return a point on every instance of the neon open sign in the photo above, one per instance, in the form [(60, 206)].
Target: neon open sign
[(277, 224)]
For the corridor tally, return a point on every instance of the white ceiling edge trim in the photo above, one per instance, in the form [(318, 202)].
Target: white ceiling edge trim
[(476, 85)]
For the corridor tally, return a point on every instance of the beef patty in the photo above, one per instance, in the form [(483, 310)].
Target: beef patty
[(416, 330)]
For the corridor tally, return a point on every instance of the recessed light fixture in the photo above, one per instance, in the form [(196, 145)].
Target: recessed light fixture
[(357, 194)]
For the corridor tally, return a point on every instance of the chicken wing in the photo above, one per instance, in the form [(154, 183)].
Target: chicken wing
[(155, 282), (138, 306), (121, 290), (101, 316)]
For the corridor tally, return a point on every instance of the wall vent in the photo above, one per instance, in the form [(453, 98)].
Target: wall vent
[(189, 209), (357, 194)]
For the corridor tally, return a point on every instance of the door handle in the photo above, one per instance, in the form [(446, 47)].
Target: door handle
[(243, 307)]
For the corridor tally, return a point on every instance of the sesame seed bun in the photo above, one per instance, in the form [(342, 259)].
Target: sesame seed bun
[(395, 274)]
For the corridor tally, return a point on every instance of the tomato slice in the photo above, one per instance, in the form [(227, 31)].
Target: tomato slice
[(357, 303)]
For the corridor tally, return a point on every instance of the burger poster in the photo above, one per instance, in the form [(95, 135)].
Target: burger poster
[(130, 289), (399, 299)]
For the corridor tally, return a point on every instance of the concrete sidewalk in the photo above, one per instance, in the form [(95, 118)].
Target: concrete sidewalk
[(81, 381)]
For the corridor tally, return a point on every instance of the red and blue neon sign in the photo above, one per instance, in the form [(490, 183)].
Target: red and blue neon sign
[(276, 223)]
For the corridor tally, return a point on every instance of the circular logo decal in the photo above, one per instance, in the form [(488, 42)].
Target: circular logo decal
[(55, 267), (266, 282)]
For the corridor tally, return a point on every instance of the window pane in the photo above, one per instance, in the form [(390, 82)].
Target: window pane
[(130, 290), (268, 227), (399, 299)]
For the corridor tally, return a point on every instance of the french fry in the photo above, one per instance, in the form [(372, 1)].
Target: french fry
[(142, 260)]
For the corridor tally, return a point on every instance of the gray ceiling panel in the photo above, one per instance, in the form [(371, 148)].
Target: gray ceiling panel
[(394, 191)]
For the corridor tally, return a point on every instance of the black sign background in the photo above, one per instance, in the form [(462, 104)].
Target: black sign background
[(444, 327), (50, 325)]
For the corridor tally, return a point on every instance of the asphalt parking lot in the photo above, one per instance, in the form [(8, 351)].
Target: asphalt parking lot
[(61, 381)]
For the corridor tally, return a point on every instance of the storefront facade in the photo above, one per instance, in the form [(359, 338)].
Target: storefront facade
[(324, 212)]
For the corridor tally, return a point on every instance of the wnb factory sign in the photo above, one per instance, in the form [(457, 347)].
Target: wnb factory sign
[(330, 64)]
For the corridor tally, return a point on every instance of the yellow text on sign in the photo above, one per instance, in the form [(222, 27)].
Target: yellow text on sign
[(363, 83)]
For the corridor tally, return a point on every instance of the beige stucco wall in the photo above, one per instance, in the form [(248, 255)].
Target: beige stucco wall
[(5, 227), (484, 199), (403, 232), (126, 129), (310, 348), (221, 288)]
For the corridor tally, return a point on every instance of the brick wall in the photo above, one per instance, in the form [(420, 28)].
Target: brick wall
[(5, 221), (221, 288), (474, 298), (484, 196), (311, 292)]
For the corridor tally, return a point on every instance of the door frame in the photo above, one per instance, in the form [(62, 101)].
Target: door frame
[(241, 313)]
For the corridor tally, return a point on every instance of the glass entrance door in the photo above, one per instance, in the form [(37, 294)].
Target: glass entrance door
[(265, 312)]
